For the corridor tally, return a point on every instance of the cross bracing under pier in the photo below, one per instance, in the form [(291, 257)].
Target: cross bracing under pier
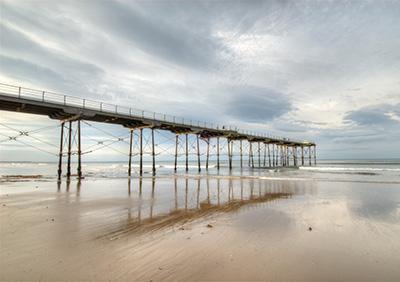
[(262, 150)]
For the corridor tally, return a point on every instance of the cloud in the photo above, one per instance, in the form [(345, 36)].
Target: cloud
[(256, 104), (155, 34), (377, 115), (27, 60), (359, 139)]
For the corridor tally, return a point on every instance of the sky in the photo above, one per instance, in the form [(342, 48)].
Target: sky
[(327, 71)]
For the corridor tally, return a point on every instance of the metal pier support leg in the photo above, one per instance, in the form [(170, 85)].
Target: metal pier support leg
[(229, 153), (309, 153), (252, 155), (69, 150), (208, 152), (130, 154), (218, 153), (315, 155), (269, 156), (249, 154), (265, 153), (259, 155), (287, 155), (273, 154), (141, 152), (241, 154), (61, 152), (187, 153), (198, 153), (294, 150), (302, 155), (176, 153), (153, 151), (79, 151)]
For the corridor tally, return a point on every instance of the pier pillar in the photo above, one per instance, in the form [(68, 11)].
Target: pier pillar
[(273, 154), (208, 151), (309, 153), (302, 155), (153, 151), (130, 153), (79, 169), (249, 154), (60, 155), (176, 152), (252, 155), (288, 155), (69, 150), (265, 154), (259, 155), (141, 152), (187, 153), (294, 149), (218, 153), (198, 152), (241, 154), (315, 155), (269, 156), (229, 153)]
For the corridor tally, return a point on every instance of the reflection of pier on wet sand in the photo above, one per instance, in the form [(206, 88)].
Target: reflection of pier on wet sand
[(197, 199)]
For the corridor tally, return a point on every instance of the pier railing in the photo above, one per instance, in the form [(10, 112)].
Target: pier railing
[(65, 100)]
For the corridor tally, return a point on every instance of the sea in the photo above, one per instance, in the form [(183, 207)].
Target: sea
[(364, 170)]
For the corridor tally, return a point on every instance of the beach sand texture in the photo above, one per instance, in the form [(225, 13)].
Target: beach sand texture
[(199, 229)]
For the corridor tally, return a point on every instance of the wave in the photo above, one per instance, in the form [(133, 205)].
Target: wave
[(350, 169)]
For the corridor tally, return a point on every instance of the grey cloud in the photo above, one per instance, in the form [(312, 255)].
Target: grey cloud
[(35, 74), (167, 40), (359, 139), (256, 104), (378, 115), (289, 126), (61, 29), (16, 44), (29, 61)]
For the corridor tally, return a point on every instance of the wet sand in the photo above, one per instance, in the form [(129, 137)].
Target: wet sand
[(192, 229)]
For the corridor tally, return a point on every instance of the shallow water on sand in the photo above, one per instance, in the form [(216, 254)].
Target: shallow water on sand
[(253, 225)]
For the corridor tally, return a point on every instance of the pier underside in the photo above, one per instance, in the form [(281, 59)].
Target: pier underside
[(263, 150)]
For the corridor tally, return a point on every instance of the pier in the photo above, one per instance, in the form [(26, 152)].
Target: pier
[(263, 150)]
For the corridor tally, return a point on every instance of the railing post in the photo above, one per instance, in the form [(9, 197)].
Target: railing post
[(19, 93), (43, 97)]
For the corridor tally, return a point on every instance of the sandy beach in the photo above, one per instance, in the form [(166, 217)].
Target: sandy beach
[(199, 229)]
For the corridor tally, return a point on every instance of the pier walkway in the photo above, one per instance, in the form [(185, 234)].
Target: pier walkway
[(70, 109)]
